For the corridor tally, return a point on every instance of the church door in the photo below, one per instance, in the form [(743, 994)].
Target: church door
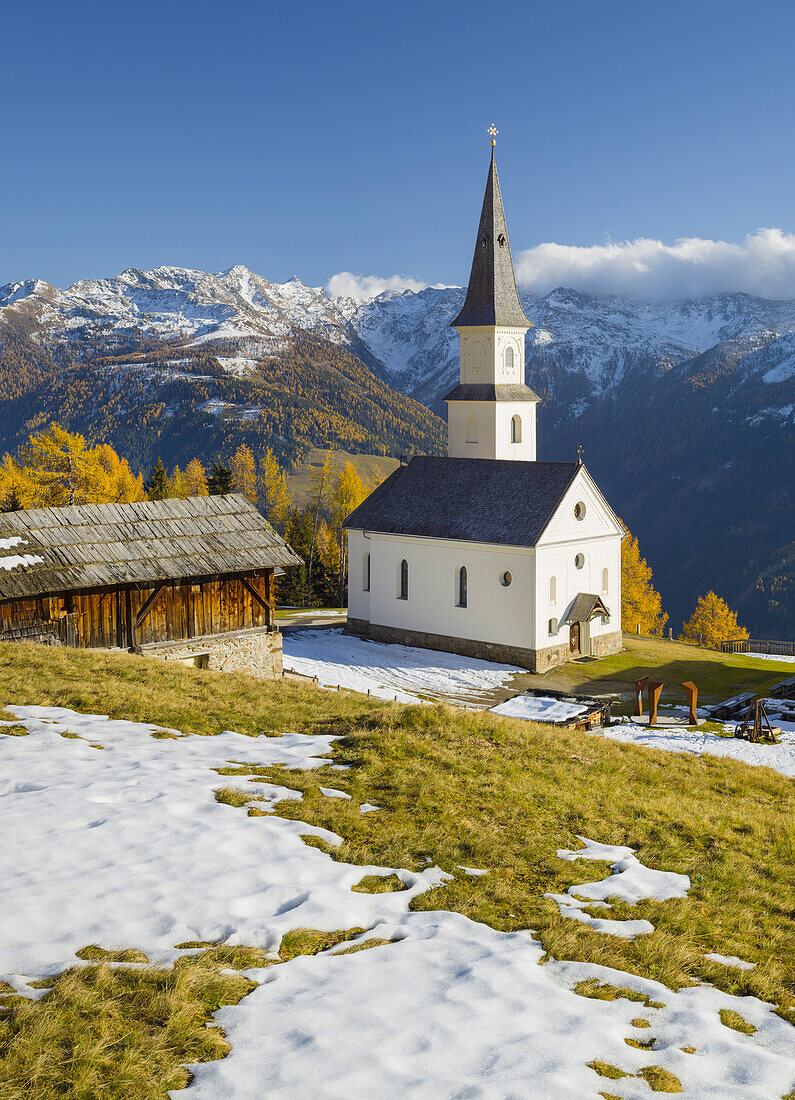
[(574, 638)]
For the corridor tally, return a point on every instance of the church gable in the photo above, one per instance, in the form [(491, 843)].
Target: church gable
[(582, 512)]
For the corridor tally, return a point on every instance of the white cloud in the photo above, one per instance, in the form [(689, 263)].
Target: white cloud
[(347, 285), (764, 264)]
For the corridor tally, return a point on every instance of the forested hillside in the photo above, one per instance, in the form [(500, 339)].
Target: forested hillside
[(152, 398)]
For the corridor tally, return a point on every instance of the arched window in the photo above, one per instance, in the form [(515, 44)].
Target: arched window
[(516, 429), (604, 580), (508, 360), (553, 590), (552, 626), (462, 586), (366, 572), (478, 356), (472, 429), (404, 580)]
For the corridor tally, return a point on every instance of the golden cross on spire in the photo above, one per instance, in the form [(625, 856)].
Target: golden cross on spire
[(493, 131)]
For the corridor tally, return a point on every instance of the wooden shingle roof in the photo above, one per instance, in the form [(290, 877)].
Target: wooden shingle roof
[(472, 499), (48, 550)]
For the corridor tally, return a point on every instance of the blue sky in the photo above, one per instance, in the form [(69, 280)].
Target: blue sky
[(314, 138)]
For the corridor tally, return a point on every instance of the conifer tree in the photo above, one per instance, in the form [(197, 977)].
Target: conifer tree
[(219, 483), (157, 487), (712, 622), (122, 485), (640, 601), (196, 479), (11, 501), (244, 473), (178, 484), (277, 502), (62, 469)]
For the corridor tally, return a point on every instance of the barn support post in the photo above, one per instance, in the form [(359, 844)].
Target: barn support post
[(128, 619)]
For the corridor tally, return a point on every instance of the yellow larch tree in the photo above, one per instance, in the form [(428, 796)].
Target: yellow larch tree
[(244, 473), (712, 622), (196, 479), (122, 485), (61, 469), (640, 601), (277, 503)]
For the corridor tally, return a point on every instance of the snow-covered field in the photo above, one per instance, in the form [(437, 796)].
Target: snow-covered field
[(780, 757), (127, 847), (391, 671)]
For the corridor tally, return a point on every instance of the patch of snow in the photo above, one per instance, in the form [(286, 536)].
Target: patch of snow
[(450, 1007), (630, 881), (784, 658), (539, 708), (390, 670), (330, 792), (624, 929), (11, 561), (780, 757), (11, 542), (368, 808), (472, 870), (457, 1009), (730, 960), (97, 870)]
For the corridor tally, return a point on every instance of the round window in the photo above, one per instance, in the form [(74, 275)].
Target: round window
[(579, 510), (506, 579), (579, 561)]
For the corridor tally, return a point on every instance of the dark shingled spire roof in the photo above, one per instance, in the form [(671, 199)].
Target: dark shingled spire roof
[(491, 295)]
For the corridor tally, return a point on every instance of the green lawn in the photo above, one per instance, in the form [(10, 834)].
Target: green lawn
[(454, 787), (717, 675)]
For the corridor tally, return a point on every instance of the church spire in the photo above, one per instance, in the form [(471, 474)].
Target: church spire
[(492, 298)]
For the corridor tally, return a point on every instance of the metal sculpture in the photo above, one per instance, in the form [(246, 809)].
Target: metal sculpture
[(692, 699), (639, 686), (655, 691)]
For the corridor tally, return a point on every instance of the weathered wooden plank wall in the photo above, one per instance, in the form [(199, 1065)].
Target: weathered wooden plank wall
[(181, 610)]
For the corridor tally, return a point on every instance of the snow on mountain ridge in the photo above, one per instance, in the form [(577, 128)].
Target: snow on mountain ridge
[(594, 339)]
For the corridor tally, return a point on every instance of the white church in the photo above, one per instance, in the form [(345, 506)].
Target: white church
[(489, 552)]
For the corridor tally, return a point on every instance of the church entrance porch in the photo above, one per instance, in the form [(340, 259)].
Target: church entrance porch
[(574, 639)]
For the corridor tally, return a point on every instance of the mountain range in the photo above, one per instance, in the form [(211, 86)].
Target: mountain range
[(685, 409)]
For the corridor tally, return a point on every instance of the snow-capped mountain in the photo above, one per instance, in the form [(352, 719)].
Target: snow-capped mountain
[(684, 408)]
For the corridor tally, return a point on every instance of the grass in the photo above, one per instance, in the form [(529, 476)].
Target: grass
[(125, 1034), (732, 1019), (718, 675), (455, 787)]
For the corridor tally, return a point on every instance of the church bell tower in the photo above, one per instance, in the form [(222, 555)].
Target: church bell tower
[(492, 413)]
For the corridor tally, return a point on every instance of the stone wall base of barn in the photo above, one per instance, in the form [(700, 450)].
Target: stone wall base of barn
[(536, 660), (257, 651)]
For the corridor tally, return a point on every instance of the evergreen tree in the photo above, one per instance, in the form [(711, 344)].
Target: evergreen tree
[(11, 501), (219, 483), (640, 601), (157, 488), (712, 622)]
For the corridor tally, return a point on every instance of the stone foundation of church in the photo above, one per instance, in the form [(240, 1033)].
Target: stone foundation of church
[(540, 660)]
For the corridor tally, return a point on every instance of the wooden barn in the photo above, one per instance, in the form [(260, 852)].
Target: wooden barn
[(191, 580)]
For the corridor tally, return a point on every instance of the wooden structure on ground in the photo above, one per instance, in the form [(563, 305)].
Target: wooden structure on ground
[(162, 576)]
